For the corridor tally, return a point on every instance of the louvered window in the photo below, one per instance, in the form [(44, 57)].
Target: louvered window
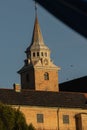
[(37, 53), (41, 53), (33, 54)]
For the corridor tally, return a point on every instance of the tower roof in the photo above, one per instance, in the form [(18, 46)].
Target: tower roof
[(37, 41), (37, 37)]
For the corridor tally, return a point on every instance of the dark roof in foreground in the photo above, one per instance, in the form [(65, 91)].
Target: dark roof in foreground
[(64, 9), (43, 98), (76, 85)]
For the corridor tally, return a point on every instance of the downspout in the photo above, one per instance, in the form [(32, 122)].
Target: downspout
[(58, 118)]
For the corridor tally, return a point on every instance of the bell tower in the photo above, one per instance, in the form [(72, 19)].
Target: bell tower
[(39, 72)]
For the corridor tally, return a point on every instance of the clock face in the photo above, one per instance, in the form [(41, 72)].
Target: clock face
[(45, 61)]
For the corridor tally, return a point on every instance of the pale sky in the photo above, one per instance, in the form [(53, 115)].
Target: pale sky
[(68, 48)]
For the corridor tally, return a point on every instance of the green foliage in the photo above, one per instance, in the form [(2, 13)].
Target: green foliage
[(12, 119), (31, 127), (7, 115), (20, 122)]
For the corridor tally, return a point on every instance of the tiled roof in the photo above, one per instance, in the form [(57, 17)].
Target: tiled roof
[(43, 98)]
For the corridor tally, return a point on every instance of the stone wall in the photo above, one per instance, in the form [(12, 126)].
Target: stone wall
[(55, 118), (46, 85)]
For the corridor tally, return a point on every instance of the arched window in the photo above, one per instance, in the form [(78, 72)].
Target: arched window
[(46, 76), (46, 54), (33, 54), (41, 53), (37, 53)]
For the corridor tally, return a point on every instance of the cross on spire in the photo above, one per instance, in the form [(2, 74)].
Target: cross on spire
[(35, 7)]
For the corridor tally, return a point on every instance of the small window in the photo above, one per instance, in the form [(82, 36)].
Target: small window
[(41, 53), (27, 77), (46, 54), (46, 76), (40, 118), (66, 119), (33, 54), (37, 53)]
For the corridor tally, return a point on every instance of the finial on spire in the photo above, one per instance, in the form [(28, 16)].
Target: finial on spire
[(35, 8)]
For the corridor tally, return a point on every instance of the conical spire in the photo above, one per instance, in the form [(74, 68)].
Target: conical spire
[(37, 38), (37, 41)]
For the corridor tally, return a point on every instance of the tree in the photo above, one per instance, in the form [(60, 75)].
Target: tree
[(12, 119), (31, 127), (7, 115), (20, 122)]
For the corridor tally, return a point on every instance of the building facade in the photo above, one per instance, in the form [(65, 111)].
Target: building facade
[(56, 118)]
